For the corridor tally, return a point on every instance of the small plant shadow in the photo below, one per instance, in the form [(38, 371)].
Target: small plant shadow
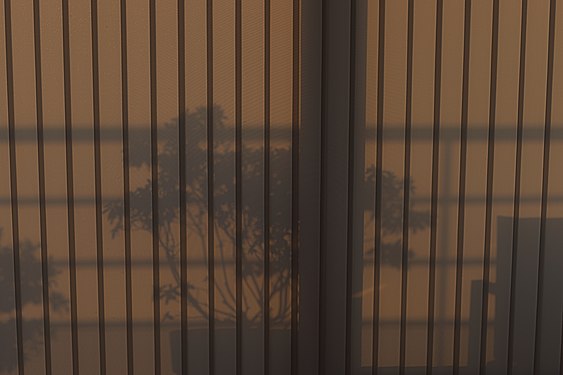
[(32, 297)]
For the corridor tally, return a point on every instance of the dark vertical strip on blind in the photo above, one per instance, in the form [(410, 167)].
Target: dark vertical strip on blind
[(295, 126), (545, 188), (378, 184), (406, 187), (323, 191), (238, 182), (489, 198), (561, 354), (154, 189), (126, 188), (351, 174), (210, 189), (517, 184), (267, 187), (70, 187), (182, 182), (434, 198), (41, 173), (13, 182), (98, 185), (462, 187)]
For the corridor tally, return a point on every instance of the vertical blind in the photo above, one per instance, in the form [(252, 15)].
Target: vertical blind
[(149, 199), (281, 187), (440, 187)]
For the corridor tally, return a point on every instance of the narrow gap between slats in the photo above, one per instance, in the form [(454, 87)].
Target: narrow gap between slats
[(295, 126), (13, 184), (154, 188), (406, 187), (238, 182), (42, 203), (182, 184), (210, 189), (517, 184), (70, 186), (462, 187), (126, 188), (434, 198), (561, 354), (267, 49), (350, 203), (323, 192), (98, 185), (378, 185), (545, 187), (489, 198)]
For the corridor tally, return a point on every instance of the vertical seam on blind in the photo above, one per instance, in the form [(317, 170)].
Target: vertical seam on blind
[(70, 186), (41, 175), (13, 184), (406, 187), (517, 184), (210, 177), (545, 187), (98, 184), (434, 198), (489, 199), (462, 187), (295, 127), (267, 187), (322, 190), (182, 184), (154, 187), (238, 183), (561, 344), (351, 174), (378, 185), (126, 188)]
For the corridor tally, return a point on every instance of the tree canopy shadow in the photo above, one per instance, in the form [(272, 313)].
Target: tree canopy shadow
[(224, 204)]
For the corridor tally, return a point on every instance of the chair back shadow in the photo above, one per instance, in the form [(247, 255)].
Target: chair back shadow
[(525, 294)]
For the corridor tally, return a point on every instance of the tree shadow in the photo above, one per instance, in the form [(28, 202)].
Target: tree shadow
[(392, 215), (32, 297), (224, 220)]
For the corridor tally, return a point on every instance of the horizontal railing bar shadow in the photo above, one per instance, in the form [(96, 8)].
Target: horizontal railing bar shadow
[(85, 132), (475, 199), (147, 262), (449, 132), (92, 323), (148, 323)]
